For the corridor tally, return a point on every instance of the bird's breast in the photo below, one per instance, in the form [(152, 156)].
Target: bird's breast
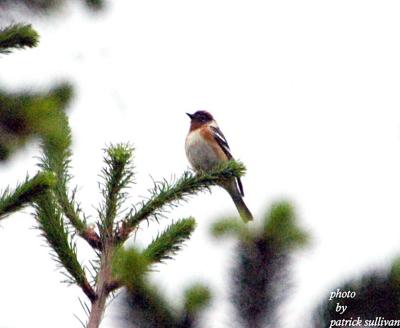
[(199, 152)]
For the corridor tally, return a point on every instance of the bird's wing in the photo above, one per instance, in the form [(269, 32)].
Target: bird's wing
[(221, 140), (223, 143)]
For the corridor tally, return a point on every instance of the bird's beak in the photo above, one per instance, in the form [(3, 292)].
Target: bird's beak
[(190, 115)]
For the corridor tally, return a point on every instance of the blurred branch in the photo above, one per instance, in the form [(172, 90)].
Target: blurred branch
[(230, 226), (17, 36), (259, 270), (148, 308), (259, 277), (46, 6), (144, 304), (95, 4), (129, 266), (196, 298), (25, 114), (281, 227)]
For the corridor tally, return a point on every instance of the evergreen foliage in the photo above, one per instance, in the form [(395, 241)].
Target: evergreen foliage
[(170, 241), (95, 4), (129, 266), (259, 277), (54, 230), (14, 200), (146, 307), (166, 193), (24, 115), (17, 36), (117, 176), (61, 219), (196, 298), (46, 6)]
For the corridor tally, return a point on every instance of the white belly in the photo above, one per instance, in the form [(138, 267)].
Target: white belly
[(200, 155)]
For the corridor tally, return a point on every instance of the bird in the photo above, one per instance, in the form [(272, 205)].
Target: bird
[(205, 148)]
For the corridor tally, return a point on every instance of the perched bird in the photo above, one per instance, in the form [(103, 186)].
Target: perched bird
[(206, 147)]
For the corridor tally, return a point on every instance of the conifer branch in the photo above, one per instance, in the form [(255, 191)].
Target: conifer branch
[(196, 298), (148, 308), (262, 258), (128, 266), (26, 192), (230, 226), (170, 241), (17, 36), (26, 114), (165, 193), (47, 6), (280, 226), (117, 175), (56, 234), (57, 157), (95, 4)]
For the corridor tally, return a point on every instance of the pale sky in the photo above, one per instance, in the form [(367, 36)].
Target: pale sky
[(306, 92)]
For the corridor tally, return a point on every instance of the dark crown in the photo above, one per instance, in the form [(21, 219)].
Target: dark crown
[(201, 116)]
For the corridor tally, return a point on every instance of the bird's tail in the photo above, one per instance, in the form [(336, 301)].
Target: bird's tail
[(243, 210)]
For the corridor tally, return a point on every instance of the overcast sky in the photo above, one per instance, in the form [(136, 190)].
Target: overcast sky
[(306, 92)]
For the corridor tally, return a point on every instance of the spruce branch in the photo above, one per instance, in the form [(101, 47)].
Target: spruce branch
[(196, 298), (26, 192), (26, 114), (170, 241), (17, 36), (49, 6), (230, 226), (128, 267), (165, 193), (117, 176), (131, 264), (95, 4), (148, 308), (259, 277), (51, 223), (280, 226), (259, 280), (57, 157)]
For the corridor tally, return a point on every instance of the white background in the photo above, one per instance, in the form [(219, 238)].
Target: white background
[(306, 92)]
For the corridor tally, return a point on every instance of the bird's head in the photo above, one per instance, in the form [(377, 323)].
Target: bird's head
[(199, 118)]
